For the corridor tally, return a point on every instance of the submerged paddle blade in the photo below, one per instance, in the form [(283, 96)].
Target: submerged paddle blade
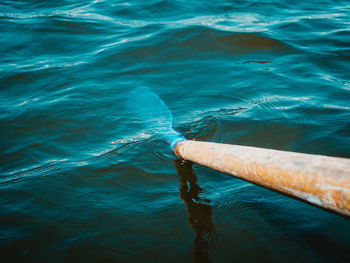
[(154, 114)]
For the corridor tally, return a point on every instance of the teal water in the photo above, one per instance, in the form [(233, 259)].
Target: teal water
[(83, 179)]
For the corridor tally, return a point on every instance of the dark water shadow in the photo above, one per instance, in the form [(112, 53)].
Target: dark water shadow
[(199, 212)]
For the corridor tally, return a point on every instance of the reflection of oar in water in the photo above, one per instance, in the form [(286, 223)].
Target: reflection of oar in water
[(320, 180), (199, 212)]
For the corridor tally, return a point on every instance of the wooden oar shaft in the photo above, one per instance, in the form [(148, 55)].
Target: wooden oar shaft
[(321, 180)]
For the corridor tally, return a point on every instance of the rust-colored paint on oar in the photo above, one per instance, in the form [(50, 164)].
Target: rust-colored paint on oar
[(320, 180)]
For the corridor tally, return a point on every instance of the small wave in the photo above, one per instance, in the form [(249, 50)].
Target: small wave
[(60, 166), (40, 65), (40, 171), (203, 125)]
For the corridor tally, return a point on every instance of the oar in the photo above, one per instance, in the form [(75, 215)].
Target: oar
[(320, 180)]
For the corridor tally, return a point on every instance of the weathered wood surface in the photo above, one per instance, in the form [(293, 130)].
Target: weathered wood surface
[(320, 180)]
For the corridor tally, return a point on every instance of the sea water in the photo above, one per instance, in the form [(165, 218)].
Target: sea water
[(83, 179)]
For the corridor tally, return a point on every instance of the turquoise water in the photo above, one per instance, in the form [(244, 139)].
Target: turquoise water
[(83, 179)]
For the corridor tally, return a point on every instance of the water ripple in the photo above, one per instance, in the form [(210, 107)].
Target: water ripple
[(79, 172)]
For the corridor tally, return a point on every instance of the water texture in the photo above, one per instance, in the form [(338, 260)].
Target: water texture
[(84, 179)]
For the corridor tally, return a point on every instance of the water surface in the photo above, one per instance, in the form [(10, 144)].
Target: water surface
[(82, 179)]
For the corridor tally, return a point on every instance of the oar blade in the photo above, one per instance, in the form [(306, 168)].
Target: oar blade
[(154, 114)]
